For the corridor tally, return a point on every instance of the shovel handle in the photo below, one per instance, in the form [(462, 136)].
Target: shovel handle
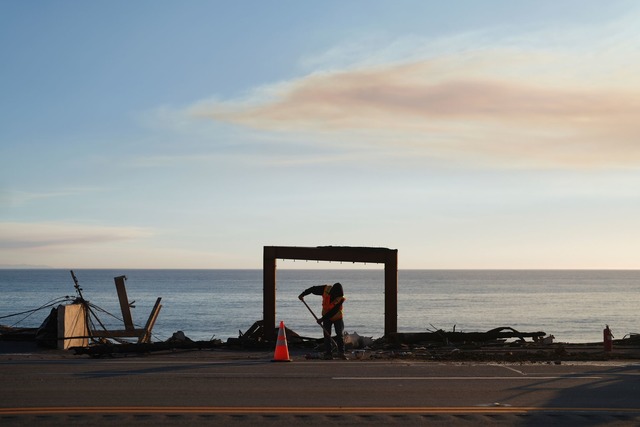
[(326, 333), (309, 308)]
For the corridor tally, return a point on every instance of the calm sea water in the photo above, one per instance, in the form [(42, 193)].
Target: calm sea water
[(574, 306)]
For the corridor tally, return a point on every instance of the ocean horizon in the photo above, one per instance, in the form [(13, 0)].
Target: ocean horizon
[(572, 305)]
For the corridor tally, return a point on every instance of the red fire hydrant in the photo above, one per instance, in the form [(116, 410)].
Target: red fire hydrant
[(607, 339)]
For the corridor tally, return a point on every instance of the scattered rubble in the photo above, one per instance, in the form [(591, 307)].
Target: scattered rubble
[(491, 346)]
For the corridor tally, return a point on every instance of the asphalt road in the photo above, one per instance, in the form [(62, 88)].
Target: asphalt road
[(218, 387)]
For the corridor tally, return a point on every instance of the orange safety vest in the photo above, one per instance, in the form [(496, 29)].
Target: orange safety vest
[(327, 304)]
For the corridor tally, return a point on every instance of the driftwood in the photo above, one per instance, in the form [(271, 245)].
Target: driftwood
[(441, 336)]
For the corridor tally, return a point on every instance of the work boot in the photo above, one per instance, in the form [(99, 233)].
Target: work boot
[(343, 356)]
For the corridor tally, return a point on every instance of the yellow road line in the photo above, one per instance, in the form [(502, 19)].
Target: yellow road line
[(512, 378), (295, 410)]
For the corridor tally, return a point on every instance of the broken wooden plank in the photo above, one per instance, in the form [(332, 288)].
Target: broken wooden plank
[(150, 322), (124, 302)]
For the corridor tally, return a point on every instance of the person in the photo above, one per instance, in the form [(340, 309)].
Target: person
[(332, 315)]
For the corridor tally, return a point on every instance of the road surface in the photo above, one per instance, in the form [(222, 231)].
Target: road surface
[(220, 387)]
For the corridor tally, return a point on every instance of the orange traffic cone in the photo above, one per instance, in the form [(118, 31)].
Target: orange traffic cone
[(282, 350)]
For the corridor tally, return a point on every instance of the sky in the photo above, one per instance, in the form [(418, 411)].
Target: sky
[(464, 134)]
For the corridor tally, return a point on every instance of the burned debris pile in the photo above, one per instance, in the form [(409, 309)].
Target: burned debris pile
[(497, 336)]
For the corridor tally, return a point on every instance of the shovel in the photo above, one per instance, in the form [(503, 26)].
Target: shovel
[(326, 333)]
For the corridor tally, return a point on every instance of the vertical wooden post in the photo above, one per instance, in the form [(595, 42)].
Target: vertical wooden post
[(269, 293), (124, 302), (391, 294)]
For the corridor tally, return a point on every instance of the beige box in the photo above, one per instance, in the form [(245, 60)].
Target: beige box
[(72, 326)]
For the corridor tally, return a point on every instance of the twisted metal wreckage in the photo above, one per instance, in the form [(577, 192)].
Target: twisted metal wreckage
[(77, 324)]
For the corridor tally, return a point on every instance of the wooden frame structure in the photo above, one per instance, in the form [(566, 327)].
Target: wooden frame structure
[(388, 257), (143, 335)]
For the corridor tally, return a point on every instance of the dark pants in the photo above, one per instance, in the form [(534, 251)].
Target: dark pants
[(339, 327)]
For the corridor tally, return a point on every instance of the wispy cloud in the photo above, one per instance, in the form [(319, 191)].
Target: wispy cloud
[(19, 235), (510, 104), (16, 198)]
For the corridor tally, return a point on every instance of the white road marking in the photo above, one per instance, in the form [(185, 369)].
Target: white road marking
[(511, 369)]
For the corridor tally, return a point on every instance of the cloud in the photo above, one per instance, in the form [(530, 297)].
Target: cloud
[(502, 104), (16, 198), (18, 235)]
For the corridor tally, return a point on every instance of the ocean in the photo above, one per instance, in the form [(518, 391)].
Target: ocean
[(572, 305)]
